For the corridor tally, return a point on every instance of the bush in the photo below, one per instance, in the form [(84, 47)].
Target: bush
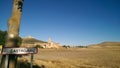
[(39, 46), (2, 37)]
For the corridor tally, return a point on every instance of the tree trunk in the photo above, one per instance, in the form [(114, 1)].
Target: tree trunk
[(13, 34)]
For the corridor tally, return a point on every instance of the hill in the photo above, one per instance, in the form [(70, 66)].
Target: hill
[(31, 40), (106, 45)]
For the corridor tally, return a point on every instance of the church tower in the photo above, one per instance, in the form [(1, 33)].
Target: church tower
[(49, 40)]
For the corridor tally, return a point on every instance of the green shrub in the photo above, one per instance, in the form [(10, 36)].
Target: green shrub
[(39, 46)]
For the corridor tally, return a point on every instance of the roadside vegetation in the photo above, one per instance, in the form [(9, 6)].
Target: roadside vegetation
[(2, 37)]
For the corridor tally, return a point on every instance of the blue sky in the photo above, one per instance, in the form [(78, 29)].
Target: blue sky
[(70, 22)]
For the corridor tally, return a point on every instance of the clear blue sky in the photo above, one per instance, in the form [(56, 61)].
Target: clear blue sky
[(73, 22)]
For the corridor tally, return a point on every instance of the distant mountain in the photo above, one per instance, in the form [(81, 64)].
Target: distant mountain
[(106, 44), (31, 40)]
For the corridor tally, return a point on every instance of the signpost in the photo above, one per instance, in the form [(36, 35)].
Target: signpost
[(32, 56), (19, 51)]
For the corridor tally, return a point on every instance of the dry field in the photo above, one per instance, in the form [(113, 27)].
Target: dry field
[(75, 58)]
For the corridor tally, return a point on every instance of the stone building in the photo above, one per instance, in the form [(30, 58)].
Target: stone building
[(49, 44), (32, 42)]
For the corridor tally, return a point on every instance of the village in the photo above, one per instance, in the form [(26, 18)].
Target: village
[(30, 42)]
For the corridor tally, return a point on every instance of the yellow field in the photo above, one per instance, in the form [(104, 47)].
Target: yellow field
[(75, 58)]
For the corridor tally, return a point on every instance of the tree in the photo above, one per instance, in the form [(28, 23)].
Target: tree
[(12, 34), (2, 37)]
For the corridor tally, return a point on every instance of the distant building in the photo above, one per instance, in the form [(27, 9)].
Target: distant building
[(48, 44)]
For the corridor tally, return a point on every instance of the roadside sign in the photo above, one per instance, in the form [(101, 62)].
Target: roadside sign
[(19, 50), (6, 51)]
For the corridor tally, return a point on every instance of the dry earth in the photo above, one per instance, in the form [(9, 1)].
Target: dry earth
[(76, 58)]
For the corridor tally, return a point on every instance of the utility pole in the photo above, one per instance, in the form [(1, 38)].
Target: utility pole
[(10, 61)]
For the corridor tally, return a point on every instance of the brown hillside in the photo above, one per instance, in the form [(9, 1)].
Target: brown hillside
[(31, 40), (106, 44)]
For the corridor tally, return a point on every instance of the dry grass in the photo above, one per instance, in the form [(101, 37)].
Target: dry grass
[(77, 58)]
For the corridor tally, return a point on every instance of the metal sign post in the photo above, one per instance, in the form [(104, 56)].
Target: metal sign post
[(6, 61), (31, 64)]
